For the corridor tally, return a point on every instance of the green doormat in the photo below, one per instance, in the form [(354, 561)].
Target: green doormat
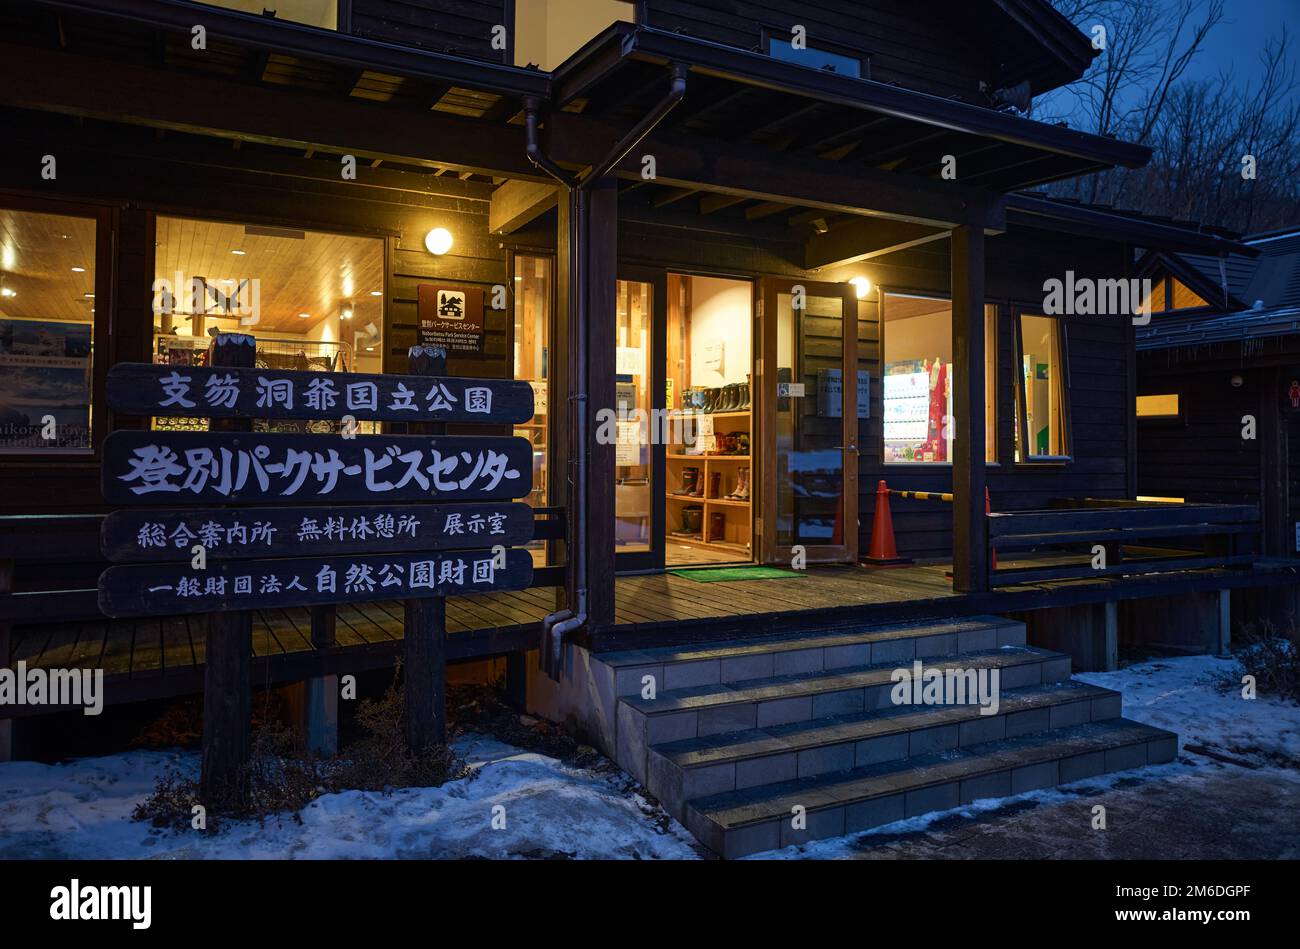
[(723, 574)]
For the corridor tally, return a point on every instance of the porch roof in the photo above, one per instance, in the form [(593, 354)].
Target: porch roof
[(745, 97)]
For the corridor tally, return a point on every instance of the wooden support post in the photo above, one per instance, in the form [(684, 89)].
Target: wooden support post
[(517, 679), (6, 648), (1275, 483), (425, 634), (970, 549), (320, 701), (600, 280), (227, 684)]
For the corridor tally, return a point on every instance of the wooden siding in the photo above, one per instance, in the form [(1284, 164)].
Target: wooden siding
[(908, 44)]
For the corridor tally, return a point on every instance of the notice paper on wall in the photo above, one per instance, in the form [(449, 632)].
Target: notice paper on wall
[(629, 361), (628, 449)]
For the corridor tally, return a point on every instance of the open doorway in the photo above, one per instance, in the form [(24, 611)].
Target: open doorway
[(712, 472)]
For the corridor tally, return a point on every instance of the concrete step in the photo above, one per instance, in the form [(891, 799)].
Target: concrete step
[(681, 667), (679, 771), (759, 703), (737, 823)]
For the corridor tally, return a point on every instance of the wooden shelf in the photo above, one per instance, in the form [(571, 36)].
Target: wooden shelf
[(708, 457), (725, 502), (697, 540)]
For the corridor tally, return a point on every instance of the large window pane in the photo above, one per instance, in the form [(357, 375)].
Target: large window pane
[(47, 306), (632, 380), (313, 300), (1043, 410), (533, 291), (918, 380)]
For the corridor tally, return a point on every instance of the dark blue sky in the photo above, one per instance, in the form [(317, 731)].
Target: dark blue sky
[(1236, 43)]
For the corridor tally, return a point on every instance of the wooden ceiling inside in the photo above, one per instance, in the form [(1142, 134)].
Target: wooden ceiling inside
[(37, 255), (298, 272)]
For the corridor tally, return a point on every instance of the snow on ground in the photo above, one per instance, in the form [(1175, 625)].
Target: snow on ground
[(82, 809)]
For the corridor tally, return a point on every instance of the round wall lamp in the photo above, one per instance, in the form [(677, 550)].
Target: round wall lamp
[(862, 286), (438, 241), (1236, 382)]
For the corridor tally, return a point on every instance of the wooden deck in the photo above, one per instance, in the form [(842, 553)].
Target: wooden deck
[(151, 658)]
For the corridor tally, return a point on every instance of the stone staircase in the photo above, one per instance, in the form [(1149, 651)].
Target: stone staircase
[(739, 734)]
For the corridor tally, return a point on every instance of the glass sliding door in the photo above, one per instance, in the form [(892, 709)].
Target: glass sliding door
[(810, 421), (633, 458)]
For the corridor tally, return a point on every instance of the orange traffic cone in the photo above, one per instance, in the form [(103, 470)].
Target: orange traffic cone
[(993, 551), (883, 552)]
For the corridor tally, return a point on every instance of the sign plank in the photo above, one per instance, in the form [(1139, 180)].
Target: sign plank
[(146, 536), (229, 467), (173, 589), (222, 392)]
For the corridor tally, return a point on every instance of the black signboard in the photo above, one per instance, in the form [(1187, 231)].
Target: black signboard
[(228, 467), (152, 535), (220, 392), (173, 589)]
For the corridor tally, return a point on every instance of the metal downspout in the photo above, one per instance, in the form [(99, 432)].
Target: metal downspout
[(562, 622)]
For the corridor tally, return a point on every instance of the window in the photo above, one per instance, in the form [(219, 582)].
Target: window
[(918, 375), (320, 13), (1169, 294), (313, 300), (47, 302), (632, 398), (1042, 411), (1183, 297), (547, 32), (534, 289), (840, 60), (1158, 406)]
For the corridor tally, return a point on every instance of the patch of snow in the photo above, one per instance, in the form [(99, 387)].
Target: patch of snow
[(1178, 694), (82, 810)]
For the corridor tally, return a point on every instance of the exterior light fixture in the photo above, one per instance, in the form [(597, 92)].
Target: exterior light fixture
[(1236, 382), (438, 241), (861, 286)]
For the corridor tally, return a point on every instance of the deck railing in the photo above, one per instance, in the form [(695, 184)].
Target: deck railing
[(1087, 538)]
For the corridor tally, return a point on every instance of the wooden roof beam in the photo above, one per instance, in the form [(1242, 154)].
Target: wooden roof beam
[(863, 239), (517, 203)]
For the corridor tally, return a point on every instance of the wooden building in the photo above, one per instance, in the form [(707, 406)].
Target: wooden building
[(803, 238), (1217, 393)]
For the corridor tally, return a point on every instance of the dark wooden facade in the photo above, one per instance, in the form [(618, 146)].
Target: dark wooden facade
[(756, 154)]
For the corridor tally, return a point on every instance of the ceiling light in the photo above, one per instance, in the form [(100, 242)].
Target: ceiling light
[(861, 285), (89, 296), (304, 316), (78, 269), (370, 349), (376, 293), (6, 292), (438, 241), (346, 313), (238, 253)]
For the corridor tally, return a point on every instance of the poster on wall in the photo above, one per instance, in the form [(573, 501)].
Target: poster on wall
[(452, 317), (44, 385)]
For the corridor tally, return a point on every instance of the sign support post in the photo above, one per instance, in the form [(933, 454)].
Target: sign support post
[(227, 680), (424, 639)]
